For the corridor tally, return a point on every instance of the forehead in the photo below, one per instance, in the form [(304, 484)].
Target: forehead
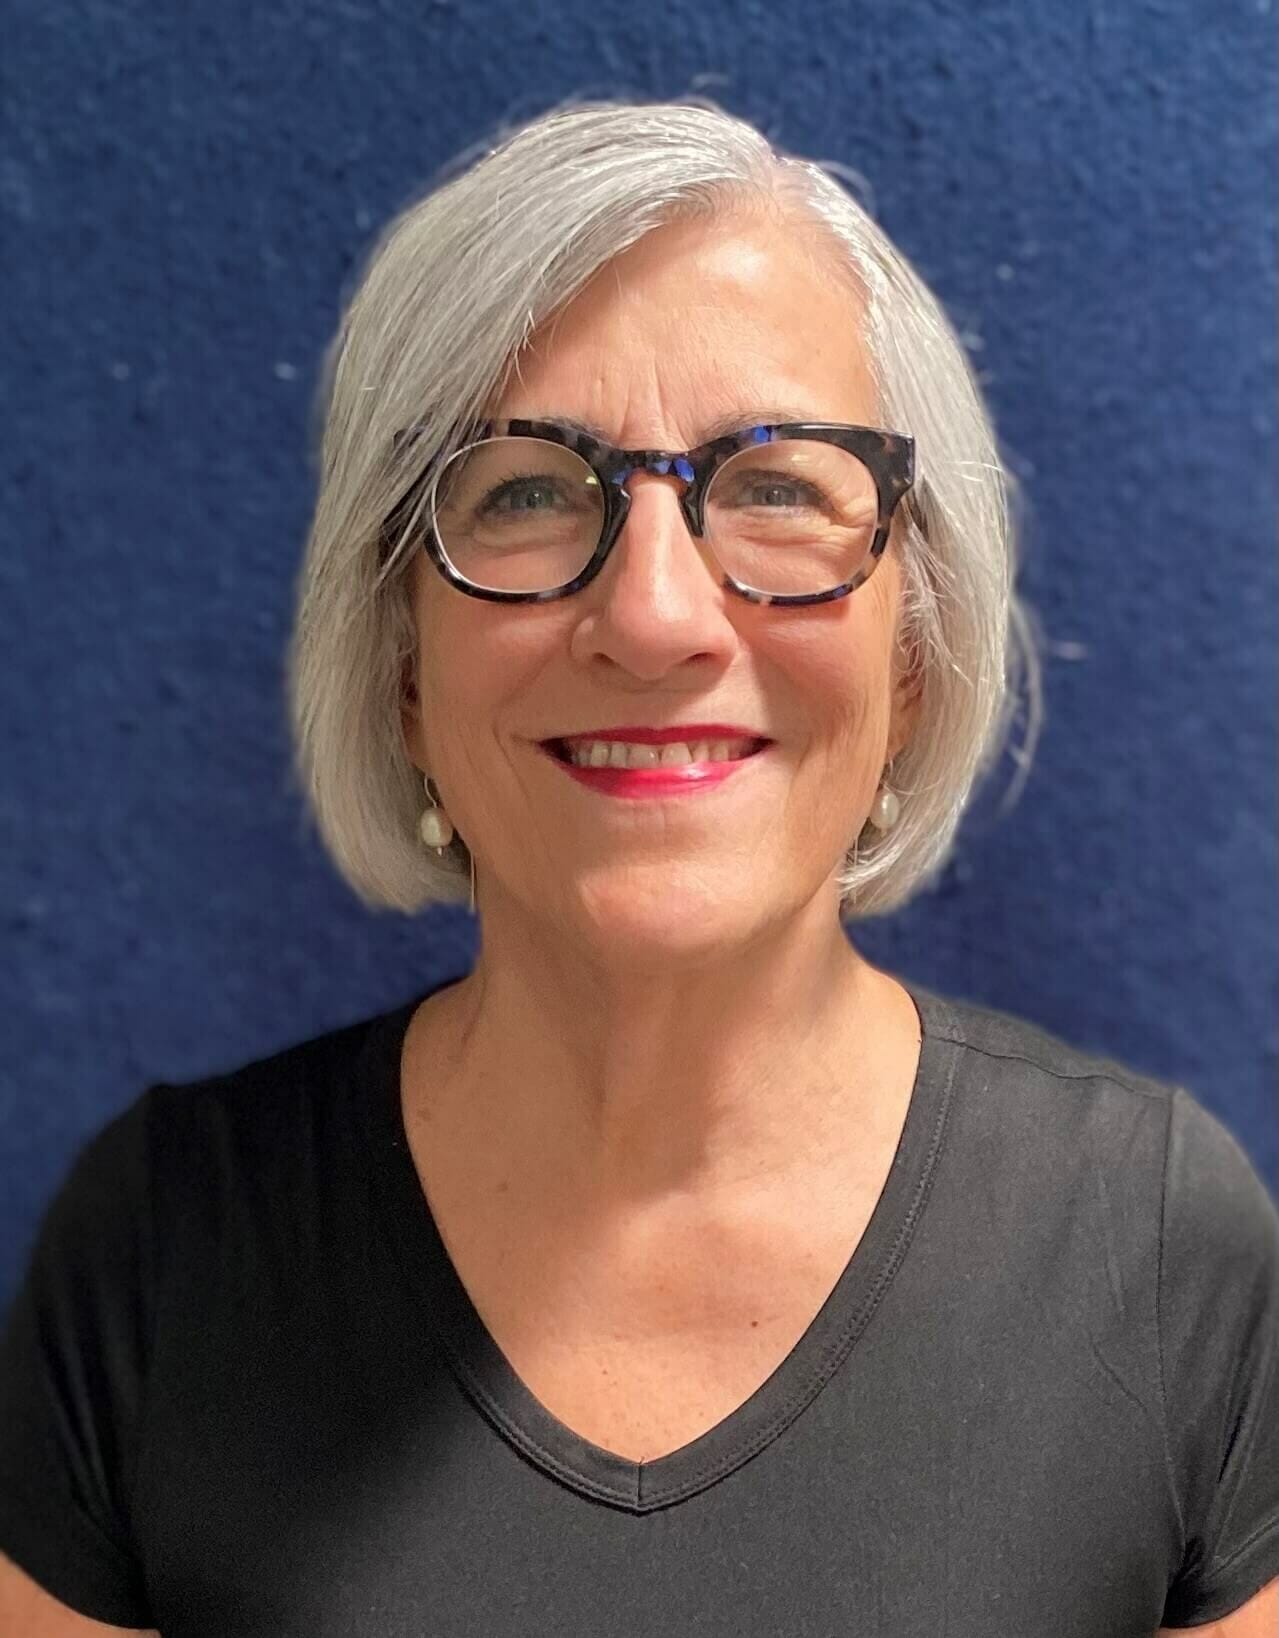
[(696, 320)]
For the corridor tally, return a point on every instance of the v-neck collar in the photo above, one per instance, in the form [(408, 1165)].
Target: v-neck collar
[(487, 1376)]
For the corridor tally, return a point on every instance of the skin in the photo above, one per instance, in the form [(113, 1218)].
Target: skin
[(664, 966)]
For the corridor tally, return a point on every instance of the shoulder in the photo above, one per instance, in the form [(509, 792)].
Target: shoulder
[(253, 1103), (1131, 1209), (302, 1063), (177, 1162), (1008, 1063), (1078, 1136), (259, 1100), (1054, 1105), (991, 1038)]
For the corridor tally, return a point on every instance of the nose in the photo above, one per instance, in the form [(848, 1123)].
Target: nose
[(678, 466), (663, 472), (658, 600)]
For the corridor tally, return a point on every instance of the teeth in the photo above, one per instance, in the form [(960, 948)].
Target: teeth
[(603, 753)]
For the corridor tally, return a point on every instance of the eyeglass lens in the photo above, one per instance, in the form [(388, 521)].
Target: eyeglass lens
[(791, 517)]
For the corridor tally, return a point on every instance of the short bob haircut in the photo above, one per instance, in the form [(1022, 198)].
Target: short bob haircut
[(449, 293)]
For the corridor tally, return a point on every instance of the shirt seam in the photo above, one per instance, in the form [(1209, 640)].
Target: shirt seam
[(1225, 1564), (1114, 1075), (1209, 1586)]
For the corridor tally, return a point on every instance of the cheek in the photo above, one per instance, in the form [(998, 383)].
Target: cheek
[(450, 683), (455, 640), (836, 668), (479, 664), (835, 674), (861, 666), (458, 699)]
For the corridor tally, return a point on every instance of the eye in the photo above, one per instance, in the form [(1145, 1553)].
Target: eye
[(780, 492), (524, 494), (768, 490)]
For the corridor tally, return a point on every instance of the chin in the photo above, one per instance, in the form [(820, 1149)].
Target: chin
[(654, 920)]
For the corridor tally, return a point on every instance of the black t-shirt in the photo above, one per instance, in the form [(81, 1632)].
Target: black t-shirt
[(243, 1393)]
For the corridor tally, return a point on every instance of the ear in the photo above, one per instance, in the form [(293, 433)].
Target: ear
[(411, 715), (908, 699)]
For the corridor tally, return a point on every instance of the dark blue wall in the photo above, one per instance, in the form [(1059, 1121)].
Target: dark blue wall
[(184, 193)]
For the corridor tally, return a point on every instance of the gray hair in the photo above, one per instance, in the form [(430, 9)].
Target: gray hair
[(448, 295)]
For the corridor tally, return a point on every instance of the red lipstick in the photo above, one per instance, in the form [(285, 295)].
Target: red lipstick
[(678, 780), (691, 732)]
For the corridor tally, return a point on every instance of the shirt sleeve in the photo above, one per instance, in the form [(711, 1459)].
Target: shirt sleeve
[(1219, 1343), (72, 1375)]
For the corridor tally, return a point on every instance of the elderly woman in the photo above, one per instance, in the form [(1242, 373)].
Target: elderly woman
[(676, 1270)]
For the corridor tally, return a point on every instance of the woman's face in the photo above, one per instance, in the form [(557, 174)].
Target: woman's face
[(694, 322)]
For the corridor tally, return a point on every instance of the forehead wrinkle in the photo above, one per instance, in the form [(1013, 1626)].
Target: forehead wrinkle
[(753, 406), (642, 398), (728, 403)]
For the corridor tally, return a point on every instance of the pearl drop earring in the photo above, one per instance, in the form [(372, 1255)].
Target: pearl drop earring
[(436, 830), (435, 826), (885, 809)]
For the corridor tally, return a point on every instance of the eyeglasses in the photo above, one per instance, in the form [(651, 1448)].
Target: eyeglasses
[(798, 512)]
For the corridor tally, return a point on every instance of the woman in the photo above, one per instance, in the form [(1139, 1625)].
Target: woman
[(676, 1269)]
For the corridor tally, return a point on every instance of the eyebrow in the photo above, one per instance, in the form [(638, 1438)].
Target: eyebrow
[(734, 421)]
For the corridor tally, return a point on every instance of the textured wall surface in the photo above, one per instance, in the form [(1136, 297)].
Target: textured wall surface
[(184, 194)]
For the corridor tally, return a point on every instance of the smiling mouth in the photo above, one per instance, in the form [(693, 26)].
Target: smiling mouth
[(626, 757)]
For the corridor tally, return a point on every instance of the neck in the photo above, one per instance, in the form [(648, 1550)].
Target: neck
[(600, 1080)]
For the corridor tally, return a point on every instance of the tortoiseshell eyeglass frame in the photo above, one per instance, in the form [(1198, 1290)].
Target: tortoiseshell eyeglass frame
[(889, 457)]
